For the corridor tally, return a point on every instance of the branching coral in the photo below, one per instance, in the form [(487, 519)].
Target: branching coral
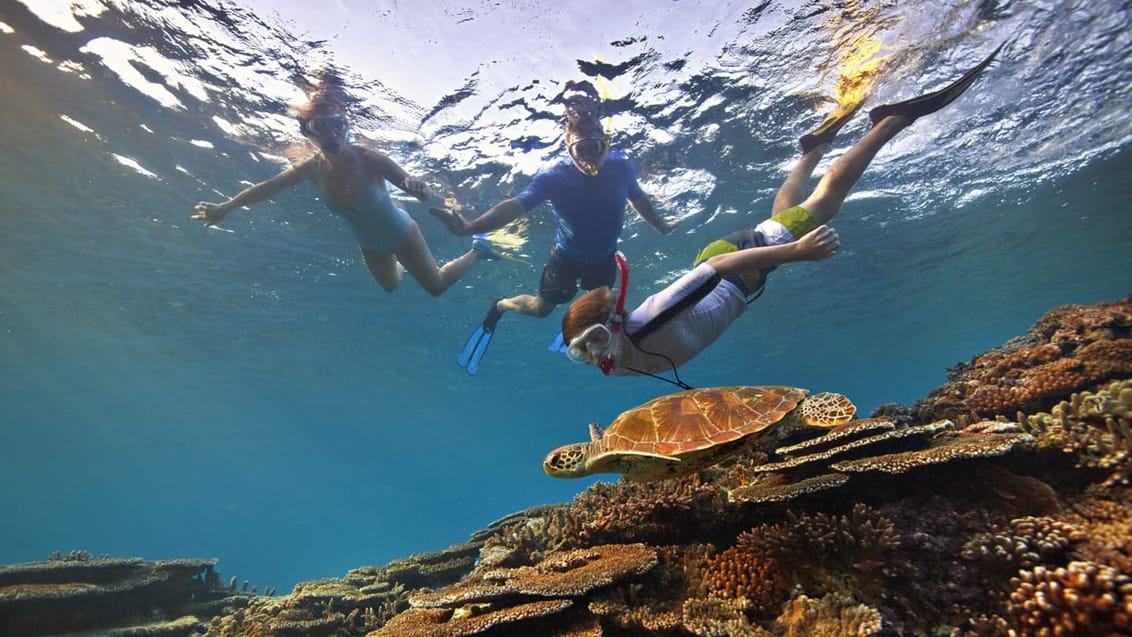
[(1096, 427), (653, 602), (742, 574), (819, 552), (860, 540), (1025, 543), (662, 512), (1107, 525), (1080, 599), (831, 616)]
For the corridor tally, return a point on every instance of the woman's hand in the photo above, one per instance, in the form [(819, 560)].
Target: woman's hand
[(211, 213), (416, 188), (454, 221), (820, 243)]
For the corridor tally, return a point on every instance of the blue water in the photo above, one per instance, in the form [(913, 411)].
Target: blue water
[(249, 393)]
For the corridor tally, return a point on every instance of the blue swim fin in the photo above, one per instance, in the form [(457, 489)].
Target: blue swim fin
[(558, 345), (477, 343)]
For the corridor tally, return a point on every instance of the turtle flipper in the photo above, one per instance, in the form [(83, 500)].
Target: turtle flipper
[(640, 466), (932, 102), (827, 409)]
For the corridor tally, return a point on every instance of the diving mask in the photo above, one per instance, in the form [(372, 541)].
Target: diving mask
[(596, 344), (592, 345), (589, 153), (326, 127)]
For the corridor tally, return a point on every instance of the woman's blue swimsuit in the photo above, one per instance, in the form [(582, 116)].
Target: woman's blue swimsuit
[(378, 224)]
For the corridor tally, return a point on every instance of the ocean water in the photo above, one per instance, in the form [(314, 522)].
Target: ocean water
[(249, 393)]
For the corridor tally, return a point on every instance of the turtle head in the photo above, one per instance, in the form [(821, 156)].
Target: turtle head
[(568, 461)]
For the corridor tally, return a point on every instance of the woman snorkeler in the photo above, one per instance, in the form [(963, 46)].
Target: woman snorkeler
[(351, 179)]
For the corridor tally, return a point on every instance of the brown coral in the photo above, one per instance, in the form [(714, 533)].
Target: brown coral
[(1096, 427), (664, 512), (715, 617), (831, 616), (1025, 543), (567, 574), (743, 574), (1071, 348), (1080, 599), (654, 602), (462, 622), (948, 450), (79, 591)]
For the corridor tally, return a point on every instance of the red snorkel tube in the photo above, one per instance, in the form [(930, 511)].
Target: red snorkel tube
[(617, 319)]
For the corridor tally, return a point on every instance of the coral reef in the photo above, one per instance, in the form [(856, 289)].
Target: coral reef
[(77, 591), (1069, 349), (997, 505)]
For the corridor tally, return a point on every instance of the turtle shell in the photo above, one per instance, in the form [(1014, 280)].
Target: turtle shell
[(698, 419)]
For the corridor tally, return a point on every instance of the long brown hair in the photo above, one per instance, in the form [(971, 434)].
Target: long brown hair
[(591, 308), (328, 97)]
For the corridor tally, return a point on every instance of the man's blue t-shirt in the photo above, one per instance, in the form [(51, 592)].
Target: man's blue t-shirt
[(588, 211)]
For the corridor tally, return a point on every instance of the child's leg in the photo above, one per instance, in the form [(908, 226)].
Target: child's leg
[(794, 189), (834, 186)]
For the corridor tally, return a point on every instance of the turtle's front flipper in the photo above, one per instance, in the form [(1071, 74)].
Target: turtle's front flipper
[(480, 338)]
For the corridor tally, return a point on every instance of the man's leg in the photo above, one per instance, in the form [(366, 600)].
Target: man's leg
[(527, 304)]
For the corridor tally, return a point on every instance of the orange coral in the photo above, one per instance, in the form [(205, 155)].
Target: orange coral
[(739, 573)]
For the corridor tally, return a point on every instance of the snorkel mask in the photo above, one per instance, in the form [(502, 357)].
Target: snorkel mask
[(326, 130), (598, 342), (589, 153)]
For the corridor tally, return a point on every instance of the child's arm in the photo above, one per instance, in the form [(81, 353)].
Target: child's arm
[(820, 243), (212, 213)]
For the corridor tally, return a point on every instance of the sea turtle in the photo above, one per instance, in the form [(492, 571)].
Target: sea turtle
[(687, 431)]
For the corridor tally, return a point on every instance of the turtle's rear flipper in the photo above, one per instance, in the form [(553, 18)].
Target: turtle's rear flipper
[(932, 102)]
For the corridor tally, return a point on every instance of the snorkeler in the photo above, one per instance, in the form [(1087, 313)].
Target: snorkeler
[(588, 191), (351, 179), (671, 327)]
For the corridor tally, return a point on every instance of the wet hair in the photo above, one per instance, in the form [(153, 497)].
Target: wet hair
[(327, 97), (591, 308), (582, 102)]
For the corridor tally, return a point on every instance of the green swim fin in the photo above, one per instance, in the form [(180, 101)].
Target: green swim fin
[(480, 338), (932, 102)]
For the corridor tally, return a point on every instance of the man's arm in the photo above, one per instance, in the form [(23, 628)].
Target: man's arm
[(643, 206), (498, 216)]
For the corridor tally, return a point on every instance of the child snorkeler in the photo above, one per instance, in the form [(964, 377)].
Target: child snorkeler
[(673, 326)]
